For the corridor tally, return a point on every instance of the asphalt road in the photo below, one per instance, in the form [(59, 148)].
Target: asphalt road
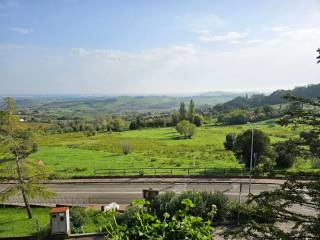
[(122, 192)]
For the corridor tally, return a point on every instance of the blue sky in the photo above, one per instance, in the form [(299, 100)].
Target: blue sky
[(158, 47)]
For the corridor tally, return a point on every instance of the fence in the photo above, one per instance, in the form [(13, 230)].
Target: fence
[(198, 172), (212, 172)]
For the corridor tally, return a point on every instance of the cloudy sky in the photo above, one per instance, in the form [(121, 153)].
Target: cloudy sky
[(157, 47)]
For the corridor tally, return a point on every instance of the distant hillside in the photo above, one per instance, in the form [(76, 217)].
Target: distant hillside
[(91, 105), (310, 91)]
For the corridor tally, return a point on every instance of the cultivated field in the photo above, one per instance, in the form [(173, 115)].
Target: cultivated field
[(75, 154)]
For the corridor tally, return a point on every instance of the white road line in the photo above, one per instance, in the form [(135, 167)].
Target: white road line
[(140, 192)]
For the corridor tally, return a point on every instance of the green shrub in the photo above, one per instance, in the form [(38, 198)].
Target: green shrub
[(230, 141), (186, 129), (221, 202), (170, 202), (78, 217), (140, 225), (287, 152), (126, 148)]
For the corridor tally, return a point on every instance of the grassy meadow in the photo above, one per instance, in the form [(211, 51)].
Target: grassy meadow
[(14, 221), (75, 154)]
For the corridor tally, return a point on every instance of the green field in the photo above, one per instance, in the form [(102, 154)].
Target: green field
[(75, 154), (14, 222)]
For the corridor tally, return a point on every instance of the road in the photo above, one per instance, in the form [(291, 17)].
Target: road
[(102, 191)]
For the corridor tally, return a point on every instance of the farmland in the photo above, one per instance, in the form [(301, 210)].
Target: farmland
[(75, 154)]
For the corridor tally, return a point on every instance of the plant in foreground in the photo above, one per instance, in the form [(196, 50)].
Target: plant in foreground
[(143, 225)]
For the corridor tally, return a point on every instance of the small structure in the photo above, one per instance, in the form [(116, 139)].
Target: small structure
[(109, 207), (60, 221), (150, 194)]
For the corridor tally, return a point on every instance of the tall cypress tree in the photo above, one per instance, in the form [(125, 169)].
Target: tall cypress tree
[(191, 111), (182, 112)]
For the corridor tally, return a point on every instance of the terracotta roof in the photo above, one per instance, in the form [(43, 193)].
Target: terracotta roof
[(59, 209)]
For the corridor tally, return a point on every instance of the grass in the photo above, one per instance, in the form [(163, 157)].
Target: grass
[(14, 221), (75, 154)]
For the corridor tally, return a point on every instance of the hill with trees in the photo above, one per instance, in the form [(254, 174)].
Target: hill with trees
[(276, 97)]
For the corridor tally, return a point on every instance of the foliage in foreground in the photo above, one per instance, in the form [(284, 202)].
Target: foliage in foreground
[(169, 202), (143, 225), (16, 145), (282, 204)]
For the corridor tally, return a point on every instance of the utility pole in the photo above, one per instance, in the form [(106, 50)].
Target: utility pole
[(239, 202), (251, 157)]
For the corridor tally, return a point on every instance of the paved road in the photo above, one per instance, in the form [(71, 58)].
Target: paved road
[(122, 191)]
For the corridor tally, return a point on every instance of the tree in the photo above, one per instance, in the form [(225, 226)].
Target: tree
[(198, 120), (118, 124), (186, 128), (287, 152), (230, 141), (242, 146), (16, 145), (182, 112), (280, 204), (309, 115), (191, 111), (133, 125), (175, 116), (236, 116)]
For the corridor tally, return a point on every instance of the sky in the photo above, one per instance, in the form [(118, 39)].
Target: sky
[(157, 47)]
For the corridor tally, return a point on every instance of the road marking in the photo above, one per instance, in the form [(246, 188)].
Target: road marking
[(100, 192)]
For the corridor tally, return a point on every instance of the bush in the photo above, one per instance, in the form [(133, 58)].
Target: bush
[(230, 140), (220, 201), (126, 148), (247, 213), (198, 120), (170, 202), (242, 146), (287, 152), (138, 224), (77, 219), (91, 132), (236, 116), (186, 128), (264, 165), (118, 124)]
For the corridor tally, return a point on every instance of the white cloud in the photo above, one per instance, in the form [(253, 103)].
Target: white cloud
[(79, 51), (280, 29), (271, 64), (302, 33), (231, 37), (20, 30), (254, 41), (298, 33)]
